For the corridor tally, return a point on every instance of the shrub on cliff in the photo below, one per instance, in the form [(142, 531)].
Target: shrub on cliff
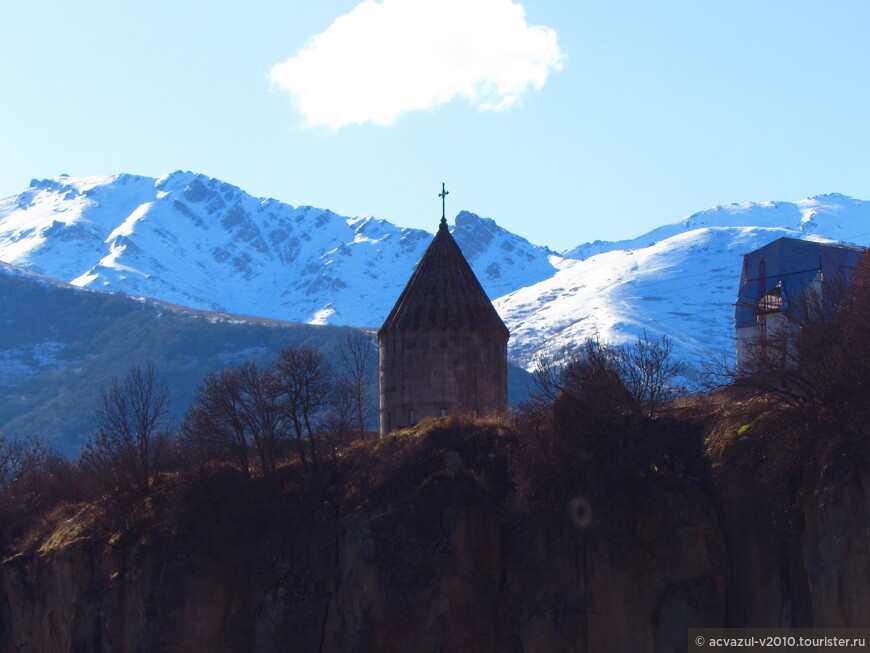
[(458, 447), (33, 478), (593, 428)]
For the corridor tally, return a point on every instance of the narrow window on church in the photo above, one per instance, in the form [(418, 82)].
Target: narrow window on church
[(474, 413), (443, 412), (412, 416)]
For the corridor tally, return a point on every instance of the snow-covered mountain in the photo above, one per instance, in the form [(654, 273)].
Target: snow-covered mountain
[(679, 280), (682, 287), (199, 242), (832, 216)]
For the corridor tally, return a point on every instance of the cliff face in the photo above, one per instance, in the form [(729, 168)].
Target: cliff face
[(443, 576), (807, 567), (434, 559), (835, 549)]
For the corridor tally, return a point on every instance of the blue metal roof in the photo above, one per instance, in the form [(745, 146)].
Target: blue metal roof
[(791, 264)]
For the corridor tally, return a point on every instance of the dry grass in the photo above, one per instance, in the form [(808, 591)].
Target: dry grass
[(61, 527)]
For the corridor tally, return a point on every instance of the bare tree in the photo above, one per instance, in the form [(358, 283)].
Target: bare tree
[(236, 412), (547, 378), (13, 459), (591, 366), (649, 370), (20, 457), (30, 482), (358, 357), (341, 415), (594, 373), (306, 382), (131, 429), (262, 413)]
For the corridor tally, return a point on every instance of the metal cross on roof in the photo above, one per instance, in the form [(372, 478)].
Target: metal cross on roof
[(443, 195)]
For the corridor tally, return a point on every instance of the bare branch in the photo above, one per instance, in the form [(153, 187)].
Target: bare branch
[(125, 452)]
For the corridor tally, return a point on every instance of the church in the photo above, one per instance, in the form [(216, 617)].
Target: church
[(443, 348)]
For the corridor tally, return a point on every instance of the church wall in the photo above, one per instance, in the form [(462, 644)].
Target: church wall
[(433, 371)]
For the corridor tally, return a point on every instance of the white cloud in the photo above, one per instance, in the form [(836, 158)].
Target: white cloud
[(383, 59)]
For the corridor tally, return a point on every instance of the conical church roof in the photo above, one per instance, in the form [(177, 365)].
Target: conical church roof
[(443, 293)]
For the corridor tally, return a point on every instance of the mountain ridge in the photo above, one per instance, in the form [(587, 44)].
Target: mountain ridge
[(197, 241)]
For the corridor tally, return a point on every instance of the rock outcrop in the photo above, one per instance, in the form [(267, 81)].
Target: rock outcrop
[(432, 574), (433, 555), (806, 567)]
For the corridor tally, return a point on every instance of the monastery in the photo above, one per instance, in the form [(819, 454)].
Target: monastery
[(443, 347)]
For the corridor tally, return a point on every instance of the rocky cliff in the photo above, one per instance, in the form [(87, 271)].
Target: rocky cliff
[(465, 581), (428, 553), (799, 562)]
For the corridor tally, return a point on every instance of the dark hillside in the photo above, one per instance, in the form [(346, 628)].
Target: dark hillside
[(60, 344)]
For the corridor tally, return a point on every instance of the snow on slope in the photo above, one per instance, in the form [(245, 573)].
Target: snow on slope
[(199, 242), (682, 287), (833, 216), (678, 280), (196, 241)]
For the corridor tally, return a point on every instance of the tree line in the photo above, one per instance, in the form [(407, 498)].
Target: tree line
[(302, 408), (248, 417)]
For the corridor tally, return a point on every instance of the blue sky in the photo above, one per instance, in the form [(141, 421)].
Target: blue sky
[(644, 113)]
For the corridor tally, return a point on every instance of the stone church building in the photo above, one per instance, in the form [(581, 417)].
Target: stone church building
[(443, 347)]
